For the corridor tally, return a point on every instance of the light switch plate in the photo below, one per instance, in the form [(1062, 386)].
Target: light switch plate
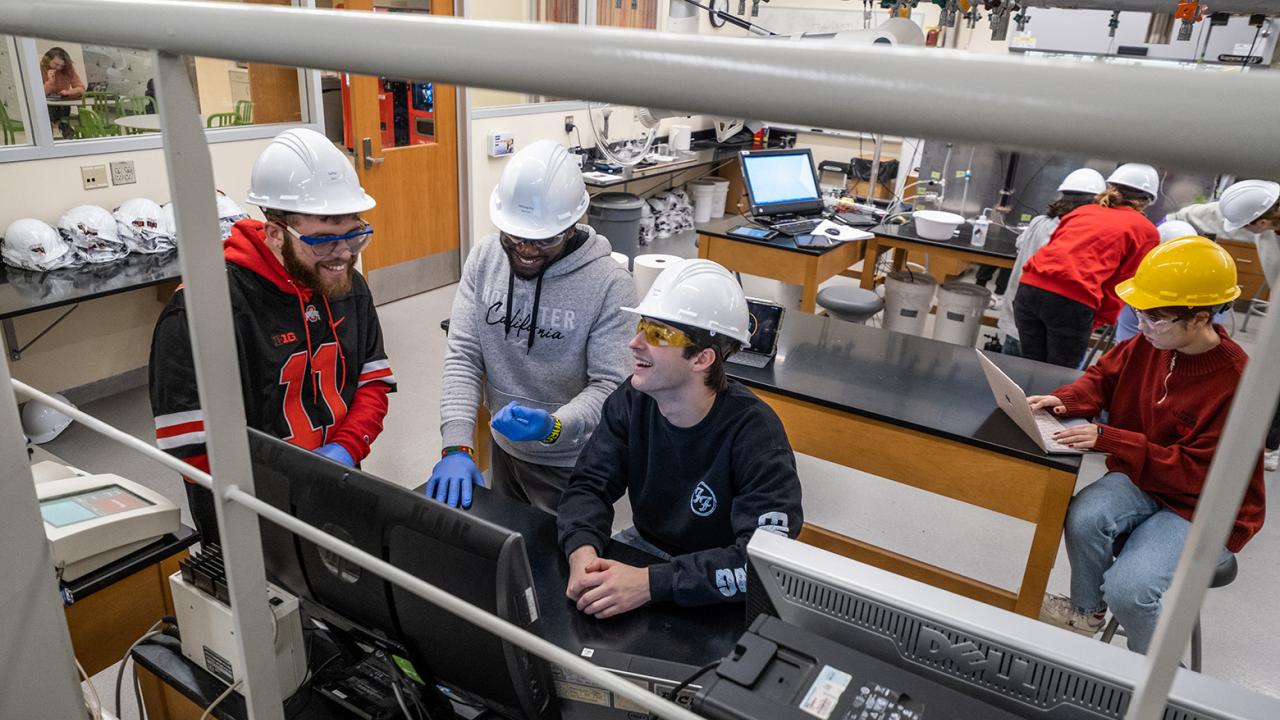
[(93, 176), (122, 173)]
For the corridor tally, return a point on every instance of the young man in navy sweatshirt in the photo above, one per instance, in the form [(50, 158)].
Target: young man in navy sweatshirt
[(705, 462)]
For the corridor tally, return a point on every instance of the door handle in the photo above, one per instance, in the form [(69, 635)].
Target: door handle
[(366, 147)]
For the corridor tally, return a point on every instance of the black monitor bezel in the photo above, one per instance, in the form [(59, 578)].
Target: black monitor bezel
[(798, 207)]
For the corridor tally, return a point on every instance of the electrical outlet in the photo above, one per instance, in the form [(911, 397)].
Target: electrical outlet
[(93, 176), (569, 124), (122, 173)]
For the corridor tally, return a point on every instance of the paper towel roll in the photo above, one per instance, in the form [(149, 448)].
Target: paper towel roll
[(647, 268), (623, 261), (679, 137)]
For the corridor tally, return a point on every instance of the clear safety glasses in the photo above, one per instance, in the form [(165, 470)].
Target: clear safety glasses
[(659, 335), (323, 246), (1156, 324)]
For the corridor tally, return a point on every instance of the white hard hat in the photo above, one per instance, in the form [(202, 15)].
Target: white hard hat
[(1137, 176), (138, 223), (42, 423), (1084, 180), (34, 245), (701, 294), (229, 213), (91, 230), (540, 194), (302, 172), (1246, 201), (1174, 229)]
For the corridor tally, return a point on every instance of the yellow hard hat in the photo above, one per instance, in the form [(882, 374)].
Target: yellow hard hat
[(1187, 272)]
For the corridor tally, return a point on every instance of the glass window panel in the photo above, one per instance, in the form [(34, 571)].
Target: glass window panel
[(13, 105)]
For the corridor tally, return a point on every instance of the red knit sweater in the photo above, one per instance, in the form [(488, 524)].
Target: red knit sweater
[(1167, 410), (1092, 249)]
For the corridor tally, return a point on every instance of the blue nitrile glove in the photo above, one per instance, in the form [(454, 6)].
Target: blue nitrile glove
[(452, 478), (522, 423), (336, 453)]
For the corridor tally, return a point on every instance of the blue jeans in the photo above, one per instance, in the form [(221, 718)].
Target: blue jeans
[(1133, 583)]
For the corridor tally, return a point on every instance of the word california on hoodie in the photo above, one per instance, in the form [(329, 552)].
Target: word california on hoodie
[(557, 342)]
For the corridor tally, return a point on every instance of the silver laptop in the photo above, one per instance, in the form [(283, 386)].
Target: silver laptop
[(1039, 424)]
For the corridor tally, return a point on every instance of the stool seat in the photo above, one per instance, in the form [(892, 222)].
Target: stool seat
[(1225, 573), (853, 304)]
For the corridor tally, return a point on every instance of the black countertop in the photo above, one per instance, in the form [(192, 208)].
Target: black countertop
[(719, 227), (24, 291), (905, 380), (1001, 242), (165, 547)]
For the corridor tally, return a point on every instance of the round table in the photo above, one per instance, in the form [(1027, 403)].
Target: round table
[(148, 123)]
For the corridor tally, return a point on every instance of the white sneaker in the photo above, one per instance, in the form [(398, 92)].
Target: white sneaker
[(1271, 460), (1058, 610)]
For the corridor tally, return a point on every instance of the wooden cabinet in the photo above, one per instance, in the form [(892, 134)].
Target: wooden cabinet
[(1248, 267)]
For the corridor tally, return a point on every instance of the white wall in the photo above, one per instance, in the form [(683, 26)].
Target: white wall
[(109, 335)]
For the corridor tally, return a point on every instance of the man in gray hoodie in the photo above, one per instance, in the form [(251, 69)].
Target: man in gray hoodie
[(536, 327)]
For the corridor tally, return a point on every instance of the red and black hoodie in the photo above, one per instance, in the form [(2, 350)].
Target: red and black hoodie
[(313, 368)]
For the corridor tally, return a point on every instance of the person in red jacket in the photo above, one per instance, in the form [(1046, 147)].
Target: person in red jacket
[(1068, 287), (1167, 393), (312, 365)]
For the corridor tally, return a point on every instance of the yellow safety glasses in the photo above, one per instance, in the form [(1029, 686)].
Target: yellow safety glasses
[(659, 335)]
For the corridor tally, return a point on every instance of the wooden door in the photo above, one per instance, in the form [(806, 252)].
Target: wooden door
[(405, 144), (638, 14)]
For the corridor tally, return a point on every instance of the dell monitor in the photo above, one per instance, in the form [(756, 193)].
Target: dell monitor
[(471, 558), (781, 182), (1014, 663)]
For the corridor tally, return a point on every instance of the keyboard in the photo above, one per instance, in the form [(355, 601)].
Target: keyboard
[(1047, 424), (797, 227), (750, 359)]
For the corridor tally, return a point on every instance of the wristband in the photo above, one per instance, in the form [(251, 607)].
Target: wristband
[(555, 431), (457, 449)]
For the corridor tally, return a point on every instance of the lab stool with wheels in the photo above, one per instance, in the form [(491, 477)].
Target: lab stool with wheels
[(851, 304), (1223, 575)]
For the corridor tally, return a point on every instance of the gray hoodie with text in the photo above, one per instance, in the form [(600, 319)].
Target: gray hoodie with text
[(560, 345)]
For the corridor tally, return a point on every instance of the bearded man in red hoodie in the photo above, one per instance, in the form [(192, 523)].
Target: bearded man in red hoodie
[(1167, 393), (310, 346)]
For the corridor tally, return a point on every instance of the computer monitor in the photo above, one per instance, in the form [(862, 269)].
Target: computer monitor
[(781, 182), (471, 558), (1009, 661)]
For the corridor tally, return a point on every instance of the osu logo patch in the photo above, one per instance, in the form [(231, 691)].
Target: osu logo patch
[(312, 314), (703, 500)]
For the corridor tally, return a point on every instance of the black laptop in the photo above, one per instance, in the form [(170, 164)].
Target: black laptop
[(782, 187)]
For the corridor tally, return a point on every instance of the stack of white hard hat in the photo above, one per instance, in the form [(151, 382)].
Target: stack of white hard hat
[(91, 230), (138, 224), (701, 294), (1137, 176), (301, 171), (42, 423), (1084, 180), (32, 244), (1246, 201), (540, 194)]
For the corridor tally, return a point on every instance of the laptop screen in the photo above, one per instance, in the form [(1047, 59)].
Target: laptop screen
[(781, 182), (765, 321)]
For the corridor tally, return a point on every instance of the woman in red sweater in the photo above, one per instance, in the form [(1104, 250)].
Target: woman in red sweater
[(1068, 287), (1167, 393)]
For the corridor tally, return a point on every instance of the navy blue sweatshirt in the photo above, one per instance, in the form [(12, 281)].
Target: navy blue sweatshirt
[(698, 493)]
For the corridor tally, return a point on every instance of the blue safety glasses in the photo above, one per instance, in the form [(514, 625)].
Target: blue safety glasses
[(326, 245)]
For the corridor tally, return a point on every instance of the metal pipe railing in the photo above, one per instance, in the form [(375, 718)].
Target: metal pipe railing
[(1094, 110)]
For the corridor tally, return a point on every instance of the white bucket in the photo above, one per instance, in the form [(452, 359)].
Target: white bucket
[(680, 137), (719, 196), (907, 299), (960, 307), (703, 194)]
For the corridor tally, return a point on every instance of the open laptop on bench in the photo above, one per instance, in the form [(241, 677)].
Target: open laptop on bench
[(782, 187), (1039, 425)]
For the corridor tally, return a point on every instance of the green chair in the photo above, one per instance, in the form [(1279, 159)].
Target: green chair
[(99, 101), (93, 125), (9, 128), (134, 105), (244, 112), (218, 120)]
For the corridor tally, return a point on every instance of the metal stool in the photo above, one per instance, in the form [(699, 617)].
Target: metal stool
[(1256, 306), (851, 304), (1223, 575)]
